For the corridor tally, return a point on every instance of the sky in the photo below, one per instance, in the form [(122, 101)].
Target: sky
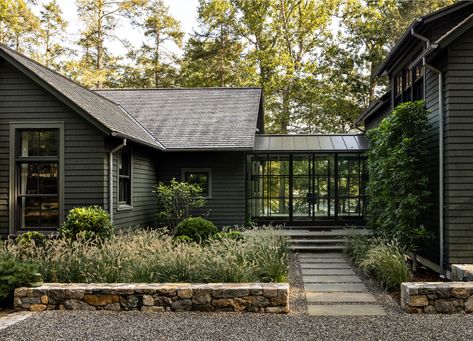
[(183, 10)]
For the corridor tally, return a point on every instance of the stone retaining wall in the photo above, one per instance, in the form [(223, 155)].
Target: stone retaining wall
[(462, 272), (437, 298), (261, 298)]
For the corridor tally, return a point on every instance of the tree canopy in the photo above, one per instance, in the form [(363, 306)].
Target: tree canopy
[(314, 59)]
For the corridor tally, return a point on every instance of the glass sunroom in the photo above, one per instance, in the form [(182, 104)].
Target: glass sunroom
[(307, 179)]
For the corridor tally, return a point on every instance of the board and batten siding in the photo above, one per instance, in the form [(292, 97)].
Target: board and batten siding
[(227, 207), (144, 178), (22, 100), (459, 151)]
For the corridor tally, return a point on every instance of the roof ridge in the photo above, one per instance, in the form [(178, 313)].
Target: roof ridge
[(177, 88)]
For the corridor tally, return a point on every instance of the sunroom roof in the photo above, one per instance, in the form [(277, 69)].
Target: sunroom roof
[(311, 143)]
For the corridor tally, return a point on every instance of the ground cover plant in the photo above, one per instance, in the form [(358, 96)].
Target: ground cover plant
[(150, 256)]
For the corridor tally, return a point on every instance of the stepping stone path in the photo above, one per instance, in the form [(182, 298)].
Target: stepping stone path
[(332, 288)]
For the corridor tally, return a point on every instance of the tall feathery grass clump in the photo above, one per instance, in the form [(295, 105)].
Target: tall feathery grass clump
[(148, 256)]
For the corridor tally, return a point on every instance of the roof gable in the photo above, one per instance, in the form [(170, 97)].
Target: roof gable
[(108, 116), (195, 119)]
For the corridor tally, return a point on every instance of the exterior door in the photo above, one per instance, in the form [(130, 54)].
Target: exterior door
[(312, 187)]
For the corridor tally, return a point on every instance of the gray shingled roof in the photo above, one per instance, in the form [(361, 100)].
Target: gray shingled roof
[(194, 119), (106, 113), (311, 143)]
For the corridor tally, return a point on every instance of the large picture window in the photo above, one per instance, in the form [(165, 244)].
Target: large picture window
[(37, 178)]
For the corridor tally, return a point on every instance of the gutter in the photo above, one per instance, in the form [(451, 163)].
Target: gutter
[(110, 177), (423, 57)]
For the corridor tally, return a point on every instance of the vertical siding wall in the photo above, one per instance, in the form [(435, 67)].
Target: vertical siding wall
[(459, 151), (143, 180), (228, 204), (21, 99)]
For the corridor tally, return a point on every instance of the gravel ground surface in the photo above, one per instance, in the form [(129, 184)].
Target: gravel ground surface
[(396, 325)]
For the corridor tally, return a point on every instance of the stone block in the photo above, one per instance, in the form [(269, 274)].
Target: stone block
[(129, 302), (44, 299), (261, 301), (202, 296), (56, 296), (418, 301), (112, 306), (235, 292), (160, 300), (182, 305), (75, 305), (76, 294), (20, 292), (148, 300), (270, 293), (100, 300), (31, 300), (276, 310), (283, 297), (469, 305), (222, 302), (430, 309), (38, 307), (461, 292), (449, 306), (153, 309), (184, 292), (166, 291)]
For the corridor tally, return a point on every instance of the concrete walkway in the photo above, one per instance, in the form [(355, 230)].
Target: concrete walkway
[(332, 288)]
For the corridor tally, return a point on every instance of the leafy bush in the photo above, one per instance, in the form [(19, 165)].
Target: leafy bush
[(176, 201), (13, 274), (196, 228), (152, 257), (31, 237), (183, 239), (87, 222), (387, 264), (398, 184)]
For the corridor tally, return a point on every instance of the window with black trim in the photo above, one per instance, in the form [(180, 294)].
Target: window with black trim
[(37, 178), (200, 177), (124, 178)]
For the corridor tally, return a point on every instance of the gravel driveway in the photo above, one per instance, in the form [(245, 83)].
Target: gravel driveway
[(192, 326)]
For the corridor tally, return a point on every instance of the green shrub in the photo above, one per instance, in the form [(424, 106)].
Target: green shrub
[(387, 264), (150, 256), (29, 237), (398, 185), (87, 222), (13, 274), (183, 239), (196, 228), (176, 201)]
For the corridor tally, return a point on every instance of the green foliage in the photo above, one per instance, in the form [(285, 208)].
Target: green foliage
[(87, 222), (196, 228), (398, 185), (387, 264), (154, 257), (380, 258), (176, 201), (183, 239), (31, 237), (13, 274), (236, 235)]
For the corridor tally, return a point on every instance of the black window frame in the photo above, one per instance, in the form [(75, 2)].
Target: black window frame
[(125, 177), (206, 192), (16, 160)]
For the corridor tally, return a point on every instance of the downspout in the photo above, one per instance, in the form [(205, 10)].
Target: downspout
[(110, 177), (429, 48)]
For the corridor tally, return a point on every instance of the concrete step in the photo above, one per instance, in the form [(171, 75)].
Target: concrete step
[(320, 234), (317, 241), (345, 310), (340, 297), (317, 248)]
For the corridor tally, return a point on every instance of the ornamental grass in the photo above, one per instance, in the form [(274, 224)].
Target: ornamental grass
[(150, 256)]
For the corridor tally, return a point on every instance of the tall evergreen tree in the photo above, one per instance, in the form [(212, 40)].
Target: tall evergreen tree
[(52, 34), (154, 61), (18, 24)]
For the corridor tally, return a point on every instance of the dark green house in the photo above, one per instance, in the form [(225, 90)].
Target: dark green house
[(433, 61), (63, 146)]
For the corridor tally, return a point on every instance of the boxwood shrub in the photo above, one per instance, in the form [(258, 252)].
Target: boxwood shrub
[(87, 222), (196, 228)]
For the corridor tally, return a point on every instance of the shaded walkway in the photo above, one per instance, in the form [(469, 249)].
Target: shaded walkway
[(332, 288)]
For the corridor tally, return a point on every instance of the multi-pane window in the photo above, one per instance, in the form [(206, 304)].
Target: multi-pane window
[(37, 170), (124, 178), (200, 178)]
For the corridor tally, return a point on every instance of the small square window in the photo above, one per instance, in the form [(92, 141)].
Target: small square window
[(200, 177)]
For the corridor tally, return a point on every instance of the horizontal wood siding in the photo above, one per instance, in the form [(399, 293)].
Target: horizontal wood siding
[(144, 178), (459, 151), (227, 206), (22, 100)]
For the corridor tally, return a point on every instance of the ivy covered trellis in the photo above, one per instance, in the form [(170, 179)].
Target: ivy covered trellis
[(398, 184)]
